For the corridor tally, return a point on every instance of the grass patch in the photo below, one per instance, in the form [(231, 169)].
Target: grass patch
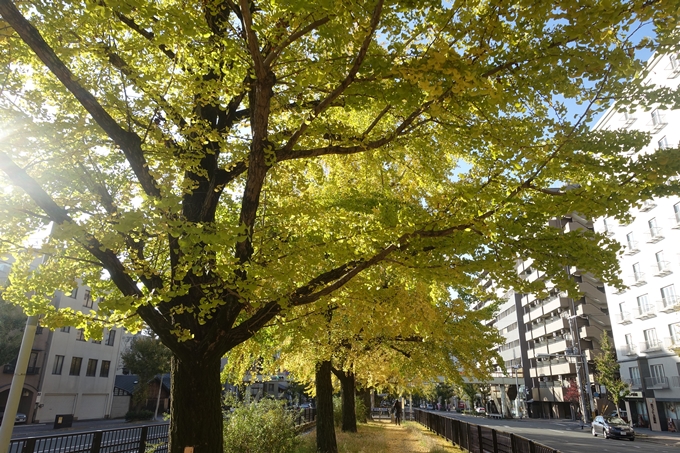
[(384, 437)]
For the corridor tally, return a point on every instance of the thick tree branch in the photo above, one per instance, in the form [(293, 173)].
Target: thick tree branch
[(286, 154), (106, 257), (253, 44), (276, 51), (129, 142), (358, 61), (145, 33)]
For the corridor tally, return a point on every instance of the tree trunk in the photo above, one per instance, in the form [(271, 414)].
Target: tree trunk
[(195, 406), (349, 417), (365, 395), (325, 429)]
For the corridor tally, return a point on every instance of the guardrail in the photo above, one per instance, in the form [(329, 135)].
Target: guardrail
[(140, 439), (478, 439)]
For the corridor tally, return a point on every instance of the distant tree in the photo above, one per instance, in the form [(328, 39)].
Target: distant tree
[(12, 321), (146, 357), (470, 392), (607, 371), (572, 395)]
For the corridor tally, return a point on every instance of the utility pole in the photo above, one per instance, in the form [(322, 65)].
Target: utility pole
[(579, 357), (17, 386)]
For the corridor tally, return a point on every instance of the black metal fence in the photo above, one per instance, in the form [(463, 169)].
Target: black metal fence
[(479, 439), (140, 439)]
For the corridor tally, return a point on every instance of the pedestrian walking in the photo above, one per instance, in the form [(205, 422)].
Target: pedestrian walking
[(397, 411)]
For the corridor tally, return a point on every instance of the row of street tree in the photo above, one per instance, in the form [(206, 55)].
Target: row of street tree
[(325, 179)]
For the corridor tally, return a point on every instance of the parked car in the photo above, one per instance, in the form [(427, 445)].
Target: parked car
[(624, 415), (610, 426), (20, 418), (480, 410), (429, 406)]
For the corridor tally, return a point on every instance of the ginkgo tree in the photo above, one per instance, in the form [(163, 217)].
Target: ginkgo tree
[(390, 332), (207, 166)]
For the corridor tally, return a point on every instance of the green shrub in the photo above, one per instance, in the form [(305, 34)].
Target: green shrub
[(138, 415), (360, 410), (337, 411), (261, 427)]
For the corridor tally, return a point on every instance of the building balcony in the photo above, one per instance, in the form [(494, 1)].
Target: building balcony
[(620, 291), (647, 205), (630, 350), (652, 346), (657, 383), (556, 324), (635, 383), (662, 269), (658, 122), (632, 248), (655, 235), (624, 318), (669, 304), (671, 343), (645, 312), (675, 381), (676, 222), (639, 279)]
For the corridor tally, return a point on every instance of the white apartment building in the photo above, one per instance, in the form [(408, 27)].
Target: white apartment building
[(646, 316), (541, 333), (78, 374)]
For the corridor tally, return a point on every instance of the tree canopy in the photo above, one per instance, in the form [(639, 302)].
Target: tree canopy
[(207, 166)]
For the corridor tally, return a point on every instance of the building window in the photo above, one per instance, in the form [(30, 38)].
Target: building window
[(91, 367), (76, 363), (637, 272), (661, 264), (635, 376), (58, 364), (80, 335), (650, 338), (657, 371), (104, 372), (657, 119), (675, 64), (66, 329), (674, 330), (643, 303), (38, 330), (676, 211), (111, 338), (668, 295), (630, 239), (96, 341), (88, 302), (74, 293), (663, 143)]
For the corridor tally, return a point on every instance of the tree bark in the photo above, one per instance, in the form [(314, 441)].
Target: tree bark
[(348, 384), (325, 429), (195, 406)]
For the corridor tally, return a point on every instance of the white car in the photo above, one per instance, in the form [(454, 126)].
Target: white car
[(480, 410), (20, 418)]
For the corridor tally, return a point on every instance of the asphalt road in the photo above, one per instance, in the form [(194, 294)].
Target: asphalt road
[(565, 436)]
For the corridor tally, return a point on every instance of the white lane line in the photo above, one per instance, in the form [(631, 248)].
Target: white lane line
[(556, 431)]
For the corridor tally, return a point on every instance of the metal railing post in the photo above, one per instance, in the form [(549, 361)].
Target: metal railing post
[(97, 441), (494, 441), (142, 439), (479, 436)]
